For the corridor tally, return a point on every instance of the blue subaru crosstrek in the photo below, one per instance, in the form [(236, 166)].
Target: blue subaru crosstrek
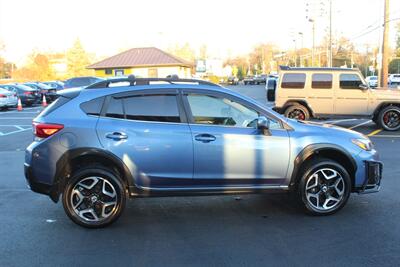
[(137, 137)]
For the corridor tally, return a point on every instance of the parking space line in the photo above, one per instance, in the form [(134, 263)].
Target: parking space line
[(361, 124), (387, 136), (374, 132), (17, 118), (338, 121), (14, 132)]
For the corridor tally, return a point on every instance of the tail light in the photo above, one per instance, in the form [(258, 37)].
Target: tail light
[(44, 130), (2, 96), (28, 93)]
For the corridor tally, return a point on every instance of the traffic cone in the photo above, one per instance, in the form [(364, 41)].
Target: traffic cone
[(44, 102), (19, 106)]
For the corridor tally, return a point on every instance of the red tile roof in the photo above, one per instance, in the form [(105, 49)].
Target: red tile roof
[(140, 57)]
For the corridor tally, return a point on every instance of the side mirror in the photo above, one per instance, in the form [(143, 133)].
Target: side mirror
[(262, 123), (363, 87)]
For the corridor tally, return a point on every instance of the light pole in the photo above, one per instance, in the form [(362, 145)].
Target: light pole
[(313, 41), (330, 34)]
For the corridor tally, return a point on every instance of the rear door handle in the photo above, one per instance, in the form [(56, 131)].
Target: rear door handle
[(116, 136), (205, 138)]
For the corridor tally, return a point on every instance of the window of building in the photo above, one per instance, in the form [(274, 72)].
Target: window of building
[(160, 108), (350, 81), (321, 81), (119, 72), (108, 71), (293, 80)]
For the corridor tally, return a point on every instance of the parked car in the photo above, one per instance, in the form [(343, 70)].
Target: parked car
[(394, 79), (81, 81), (303, 93), (248, 80), (28, 95), (98, 146), (372, 81), (55, 85), (7, 99), (45, 90), (260, 79), (270, 87), (232, 80)]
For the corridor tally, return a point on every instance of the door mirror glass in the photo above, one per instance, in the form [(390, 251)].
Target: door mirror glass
[(363, 87), (263, 123)]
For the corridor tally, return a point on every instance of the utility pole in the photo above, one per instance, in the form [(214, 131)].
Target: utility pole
[(330, 34), (385, 47)]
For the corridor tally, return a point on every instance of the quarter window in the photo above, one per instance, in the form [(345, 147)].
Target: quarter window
[(293, 80), (161, 108), (221, 111), (321, 81), (350, 81)]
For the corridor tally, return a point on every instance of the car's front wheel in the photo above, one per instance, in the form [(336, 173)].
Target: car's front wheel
[(94, 197), (324, 187)]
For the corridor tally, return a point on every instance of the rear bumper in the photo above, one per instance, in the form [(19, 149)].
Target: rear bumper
[(373, 177), (33, 184)]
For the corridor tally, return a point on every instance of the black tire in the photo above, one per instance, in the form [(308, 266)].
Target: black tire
[(326, 190), (298, 112), (389, 118), (93, 200)]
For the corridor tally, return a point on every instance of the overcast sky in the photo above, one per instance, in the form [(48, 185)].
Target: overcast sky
[(226, 27)]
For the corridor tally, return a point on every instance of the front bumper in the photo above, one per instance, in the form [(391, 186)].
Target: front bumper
[(373, 177)]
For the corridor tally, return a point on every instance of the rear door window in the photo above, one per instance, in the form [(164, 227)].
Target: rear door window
[(158, 108), (115, 108), (350, 81), (293, 80), (321, 81)]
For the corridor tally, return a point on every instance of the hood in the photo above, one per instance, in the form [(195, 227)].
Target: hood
[(317, 128), (386, 93)]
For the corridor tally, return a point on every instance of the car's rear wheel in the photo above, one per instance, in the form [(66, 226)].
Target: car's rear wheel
[(297, 112), (94, 197), (389, 118), (324, 187)]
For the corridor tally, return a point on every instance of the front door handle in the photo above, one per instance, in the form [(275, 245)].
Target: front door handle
[(116, 136), (205, 138)]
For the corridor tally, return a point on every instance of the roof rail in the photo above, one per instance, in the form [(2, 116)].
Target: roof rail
[(172, 79), (316, 68)]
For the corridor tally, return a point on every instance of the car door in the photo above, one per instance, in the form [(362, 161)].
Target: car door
[(227, 146), (350, 99), (149, 132), (320, 93)]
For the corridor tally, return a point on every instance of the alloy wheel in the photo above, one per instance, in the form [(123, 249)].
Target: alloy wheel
[(391, 118), (93, 199), (297, 114), (325, 189)]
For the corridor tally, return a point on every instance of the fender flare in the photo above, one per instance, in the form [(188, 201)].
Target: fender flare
[(315, 149), (63, 164)]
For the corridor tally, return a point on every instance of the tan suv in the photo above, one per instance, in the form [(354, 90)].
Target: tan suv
[(335, 92)]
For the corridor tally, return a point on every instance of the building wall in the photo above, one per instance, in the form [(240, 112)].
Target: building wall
[(157, 72)]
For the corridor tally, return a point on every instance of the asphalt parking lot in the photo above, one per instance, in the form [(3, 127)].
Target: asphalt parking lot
[(250, 230)]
